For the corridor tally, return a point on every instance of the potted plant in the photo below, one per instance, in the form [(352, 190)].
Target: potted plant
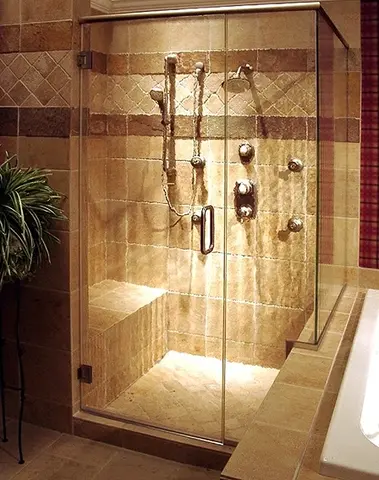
[(28, 208)]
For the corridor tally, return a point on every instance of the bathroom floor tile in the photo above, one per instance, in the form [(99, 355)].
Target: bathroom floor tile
[(50, 455), (183, 392)]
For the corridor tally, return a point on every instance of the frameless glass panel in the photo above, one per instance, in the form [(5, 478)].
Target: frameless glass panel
[(333, 139), (271, 217), (154, 162)]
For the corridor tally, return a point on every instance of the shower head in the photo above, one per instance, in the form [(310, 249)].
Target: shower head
[(237, 84), (156, 94)]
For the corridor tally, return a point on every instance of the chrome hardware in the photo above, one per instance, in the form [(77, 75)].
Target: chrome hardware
[(199, 68), (84, 60), (295, 165), (244, 187), (295, 224), (171, 58), (196, 217), (246, 152), (197, 161), (245, 212), (203, 237), (245, 199)]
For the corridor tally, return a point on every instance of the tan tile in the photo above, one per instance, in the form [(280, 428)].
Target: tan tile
[(97, 222), (146, 265), (53, 311), (115, 266), (290, 406), (144, 147), (281, 282), (305, 371), (275, 241), (311, 462), (187, 314), (141, 35), (184, 342), (281, 191), (271, 30), (328, 345), (116, 226), (38, 37), (325, 413), (187, 271), (45, 11), (35, 440), (47, 276), (142, 181), (97, 266), (256, 458), (275, 325), (10, 38), (10, 13), (269, 356), (181, 35), (43, 412), (147, 223), (44, 152), (368, 278), (81, 450)]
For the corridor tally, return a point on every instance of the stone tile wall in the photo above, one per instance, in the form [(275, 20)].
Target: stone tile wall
[(38, 121)]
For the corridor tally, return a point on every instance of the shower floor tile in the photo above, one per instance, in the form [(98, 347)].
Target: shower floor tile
[(182, 392)]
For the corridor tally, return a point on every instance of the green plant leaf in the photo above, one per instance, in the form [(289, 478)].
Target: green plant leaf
[(28, 208)]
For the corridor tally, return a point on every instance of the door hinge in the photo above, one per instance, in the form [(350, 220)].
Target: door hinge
[(84, 60), (85, 373)]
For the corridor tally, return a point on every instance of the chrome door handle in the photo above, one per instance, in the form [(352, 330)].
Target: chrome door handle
[(203, 222)]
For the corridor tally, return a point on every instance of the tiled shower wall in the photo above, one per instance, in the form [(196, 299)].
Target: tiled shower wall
[(135, 239), (39, 122)]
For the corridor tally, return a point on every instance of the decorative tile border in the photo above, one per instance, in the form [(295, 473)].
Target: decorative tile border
[(35, 122), (268, 60), (36, 79), (36, 37), (9, 38)]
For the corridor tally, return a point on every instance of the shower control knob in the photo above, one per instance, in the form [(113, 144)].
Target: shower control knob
[(197, 161), (245, 212), (244, 187), (295, 224), (295, 165), (246, 152)]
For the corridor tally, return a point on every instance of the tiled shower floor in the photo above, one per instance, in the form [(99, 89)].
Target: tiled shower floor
[(183, 392)]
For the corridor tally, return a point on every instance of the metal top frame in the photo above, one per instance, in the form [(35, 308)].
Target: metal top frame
[(180, 12)]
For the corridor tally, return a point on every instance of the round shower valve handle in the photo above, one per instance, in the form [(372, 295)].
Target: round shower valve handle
[(246, 151), (295, 165), (245, 211), (197, 161), (244, 187), (295, 224)]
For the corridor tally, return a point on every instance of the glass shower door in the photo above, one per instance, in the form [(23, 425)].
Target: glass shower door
[(152, 326)]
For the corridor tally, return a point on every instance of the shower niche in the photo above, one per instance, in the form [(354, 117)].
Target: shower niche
[(192, 281)]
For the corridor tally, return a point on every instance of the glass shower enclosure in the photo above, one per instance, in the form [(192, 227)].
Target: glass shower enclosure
[(212, 220)]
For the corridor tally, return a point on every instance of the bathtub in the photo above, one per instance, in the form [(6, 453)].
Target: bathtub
[(351, 447)]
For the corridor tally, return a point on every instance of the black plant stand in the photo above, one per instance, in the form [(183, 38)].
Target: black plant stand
[(21, 377)]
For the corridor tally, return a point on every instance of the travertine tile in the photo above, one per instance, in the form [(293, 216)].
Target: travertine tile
[(289, 406), (280, 282), (169, 393), (316, 373), (260, 460)]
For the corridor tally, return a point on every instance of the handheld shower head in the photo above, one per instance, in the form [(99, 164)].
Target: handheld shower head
[(156, 94)]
